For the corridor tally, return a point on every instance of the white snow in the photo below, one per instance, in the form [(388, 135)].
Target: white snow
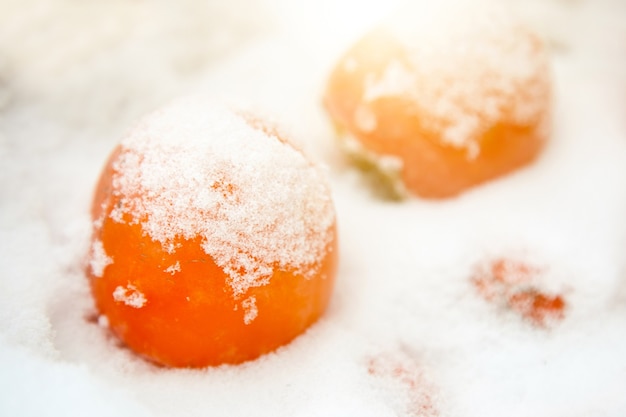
[(173, 269), (130, 296), (251, 311), (406, 334), (98, 259)]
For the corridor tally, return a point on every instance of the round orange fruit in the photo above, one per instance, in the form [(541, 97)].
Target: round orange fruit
[(214, 239), (443, 97)]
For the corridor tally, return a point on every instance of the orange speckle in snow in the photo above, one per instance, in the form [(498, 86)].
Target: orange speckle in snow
[(513, 285)]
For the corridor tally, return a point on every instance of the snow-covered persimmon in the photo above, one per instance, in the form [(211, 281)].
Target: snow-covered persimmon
[(214, 239), (443, 97)]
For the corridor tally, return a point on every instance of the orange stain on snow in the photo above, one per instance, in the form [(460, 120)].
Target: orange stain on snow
[(405, 374), (512, 284)]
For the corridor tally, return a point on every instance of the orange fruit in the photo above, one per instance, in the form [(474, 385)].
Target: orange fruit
[(443, 98), (214, 240)]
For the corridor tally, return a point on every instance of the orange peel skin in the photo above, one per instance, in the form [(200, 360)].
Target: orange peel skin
[(176, 308), (397, 125)]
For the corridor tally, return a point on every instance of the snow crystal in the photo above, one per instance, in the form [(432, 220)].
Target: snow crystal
[(396, 81), (99, 259), (250, 309), (130, 296), (365, 119), (103, 321), (173, 269)]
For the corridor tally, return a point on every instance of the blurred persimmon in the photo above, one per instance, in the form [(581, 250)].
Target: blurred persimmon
[(442, 97)]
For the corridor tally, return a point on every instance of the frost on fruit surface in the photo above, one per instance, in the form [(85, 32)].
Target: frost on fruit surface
[(250, 309), (465, 70), (365, 119), (130, 296), (173, 269), (98, 259), (198, 169)]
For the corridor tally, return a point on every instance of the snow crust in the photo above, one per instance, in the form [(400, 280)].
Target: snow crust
[(196, 168), (98, 259), (130, 296), (471, 64)]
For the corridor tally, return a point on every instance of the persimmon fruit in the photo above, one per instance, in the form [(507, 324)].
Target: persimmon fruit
[(214, 239), (442, 97)]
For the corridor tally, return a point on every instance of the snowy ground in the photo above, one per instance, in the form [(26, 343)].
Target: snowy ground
[(407, 333)]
